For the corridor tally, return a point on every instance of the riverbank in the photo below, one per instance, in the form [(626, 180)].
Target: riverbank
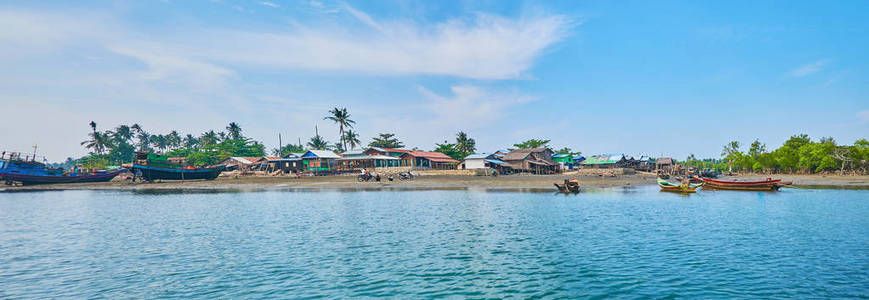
[(427, 181), (510, 182)]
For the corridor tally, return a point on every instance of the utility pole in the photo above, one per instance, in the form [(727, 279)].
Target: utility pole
[(280, 146)]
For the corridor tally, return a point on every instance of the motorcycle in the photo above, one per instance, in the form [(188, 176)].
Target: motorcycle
[(405, 176), (364, 177)]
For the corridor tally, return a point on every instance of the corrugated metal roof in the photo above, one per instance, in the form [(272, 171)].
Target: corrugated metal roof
[(603, 159), (321, 154), (478, 156), (370, 157), (495, 161)]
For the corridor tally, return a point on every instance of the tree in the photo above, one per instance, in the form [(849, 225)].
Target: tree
[(318, 143), (568, 151), (160, 142), (98, 142), (173, 139), (287, 149), (352, 138), (234, 131), (532, 143), (386, 140), (731, 153), (843, 155), (123, 133), (465, 145), (93, 126), (209, 138), (756, 149), (190, 141), (342, 118), (223, 136), (449, 149)]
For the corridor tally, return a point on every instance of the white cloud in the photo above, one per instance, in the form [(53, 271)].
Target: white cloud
[(470, 106), (863, 116), (809, 69), (269, 4)]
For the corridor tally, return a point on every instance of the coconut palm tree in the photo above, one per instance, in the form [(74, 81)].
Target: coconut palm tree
[(352, 138), (190, 141), (160, 142), (173, 139), (223, 136), (209, 138), (93, 126), (341, 117), (234, 131), (318, 143), (464, 144), (123, 133), (98, 142)]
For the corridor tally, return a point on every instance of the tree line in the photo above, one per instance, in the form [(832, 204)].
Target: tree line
[(799, 154)]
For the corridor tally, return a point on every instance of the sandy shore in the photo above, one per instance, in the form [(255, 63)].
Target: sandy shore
[(511, 182), (429, 181)]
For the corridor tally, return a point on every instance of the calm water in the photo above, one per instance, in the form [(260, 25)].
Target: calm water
[(640, 242)]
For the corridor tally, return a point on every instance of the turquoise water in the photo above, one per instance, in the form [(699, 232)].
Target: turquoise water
[(435, 243)]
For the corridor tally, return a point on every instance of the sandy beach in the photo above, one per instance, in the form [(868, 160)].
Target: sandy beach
[(510, 182)]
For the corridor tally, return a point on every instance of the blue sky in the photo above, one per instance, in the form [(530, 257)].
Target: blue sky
[(659, 78)]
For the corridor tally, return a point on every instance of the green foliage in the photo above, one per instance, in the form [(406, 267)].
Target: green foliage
[(569, 151), (464, 145), (532, 143), (386, 140), (318, 143), (341, 117), (287, 149), (450, 150), (94, 161)]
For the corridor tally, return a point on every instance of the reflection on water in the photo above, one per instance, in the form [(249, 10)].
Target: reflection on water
[(434, 242)]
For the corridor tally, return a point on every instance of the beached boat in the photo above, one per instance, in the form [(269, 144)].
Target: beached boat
[(569, 186), (677, 188), (150, 167), (29, 172), (764, 185)]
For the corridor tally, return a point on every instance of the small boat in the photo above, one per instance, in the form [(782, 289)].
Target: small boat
[(678, 188), (150, 167), (569, 186), (764, 185), (30, 172)]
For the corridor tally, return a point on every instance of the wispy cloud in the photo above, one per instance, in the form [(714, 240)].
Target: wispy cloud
[(269, 4), (809, 69)]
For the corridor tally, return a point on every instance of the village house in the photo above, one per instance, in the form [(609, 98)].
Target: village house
[(368, 159), (319, 160), (385, 151), (532, 160), (429, 160), (664, 165), (605, 161), (240, 163), (567, 161), (484, 161)]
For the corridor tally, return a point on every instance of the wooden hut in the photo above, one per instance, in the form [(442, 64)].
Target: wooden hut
[(532, 160), (429, 160)]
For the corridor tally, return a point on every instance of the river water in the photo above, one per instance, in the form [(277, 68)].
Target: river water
[(635, 242)]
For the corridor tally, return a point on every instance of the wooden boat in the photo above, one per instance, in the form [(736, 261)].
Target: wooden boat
[(764, 185), (678, 188), (569, 186), (150, 167), (30, 172)]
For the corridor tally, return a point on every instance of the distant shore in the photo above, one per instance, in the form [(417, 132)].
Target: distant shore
[(510, 182)]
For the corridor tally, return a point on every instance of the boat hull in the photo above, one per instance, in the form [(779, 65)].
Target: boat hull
[(152, 173), (26, 179), (766, 185)]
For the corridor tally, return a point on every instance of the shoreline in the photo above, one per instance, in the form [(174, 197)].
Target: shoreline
[(526, 183)]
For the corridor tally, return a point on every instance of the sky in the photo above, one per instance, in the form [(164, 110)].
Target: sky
[(660, 78)]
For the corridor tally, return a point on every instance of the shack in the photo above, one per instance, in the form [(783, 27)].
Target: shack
[(606, 161), (483, 161), (429, 160), (319, 160), (664, 164), (532, 160), (568, 161)]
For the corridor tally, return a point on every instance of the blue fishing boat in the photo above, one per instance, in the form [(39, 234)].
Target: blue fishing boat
[(29, 172), (150, 166)]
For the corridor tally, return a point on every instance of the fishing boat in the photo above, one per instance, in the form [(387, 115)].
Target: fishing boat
[(569, 186), (764, 185), (29, 172), (677, 188), (151, 166)]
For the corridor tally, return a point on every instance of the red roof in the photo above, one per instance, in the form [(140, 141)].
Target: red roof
[(432, 156), (396, 150)]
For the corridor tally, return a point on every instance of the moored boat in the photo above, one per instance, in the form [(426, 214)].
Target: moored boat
[(677, 188), (150, 167), (763, 185), (30, 172), (569, 186)]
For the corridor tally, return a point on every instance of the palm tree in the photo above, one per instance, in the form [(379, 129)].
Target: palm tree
[(342, 118), (222, 135), (144, 139), (465, 145), (352, 138), (318, 143), (93, 126), (98, 142), (234, 130), (123, 133), (209, 138), (173, 139), (160, 142), (190, 141)]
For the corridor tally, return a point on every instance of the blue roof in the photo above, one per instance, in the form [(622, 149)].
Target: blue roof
[(477, 156), (495, 161)]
